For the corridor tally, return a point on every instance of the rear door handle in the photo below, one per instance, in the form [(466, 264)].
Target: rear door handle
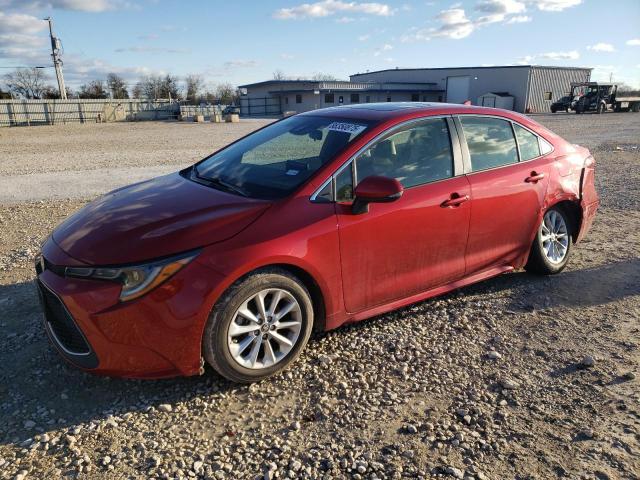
[(534, 177), (455, 201)]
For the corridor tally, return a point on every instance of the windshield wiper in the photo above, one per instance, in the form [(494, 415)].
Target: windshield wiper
[(222, 184)]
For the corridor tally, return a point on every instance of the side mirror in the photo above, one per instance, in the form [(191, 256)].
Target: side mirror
[(375, 189)]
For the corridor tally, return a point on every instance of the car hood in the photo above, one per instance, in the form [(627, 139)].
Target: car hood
[(159, 217)]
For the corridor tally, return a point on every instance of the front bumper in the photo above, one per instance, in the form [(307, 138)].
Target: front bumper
[(157, 335)]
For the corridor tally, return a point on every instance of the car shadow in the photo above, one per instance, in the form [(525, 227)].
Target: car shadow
[(34, 379)]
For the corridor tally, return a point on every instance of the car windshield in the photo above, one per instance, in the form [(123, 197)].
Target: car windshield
[(271, 163)]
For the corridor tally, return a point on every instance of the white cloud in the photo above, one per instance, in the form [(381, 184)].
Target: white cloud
[(146, 49), (345, 20), (22, 39), (149, 36), (519, 19), (385, 48), (571, 55), (79, 5), (502, 7), (601, 47), (364, 38), (286, 56), (326, 8), (455, 24), (554, 5), (634, 42), (240, 64), (19, 22)]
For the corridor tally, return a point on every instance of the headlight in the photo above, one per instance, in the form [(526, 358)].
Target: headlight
[(136, 280)]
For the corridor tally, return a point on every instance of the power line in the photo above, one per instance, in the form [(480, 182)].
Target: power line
[(24, 66)]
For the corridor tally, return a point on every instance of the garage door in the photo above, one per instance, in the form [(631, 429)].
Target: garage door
[(458, 89)]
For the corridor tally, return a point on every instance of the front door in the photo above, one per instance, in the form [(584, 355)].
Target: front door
[(415, 243)]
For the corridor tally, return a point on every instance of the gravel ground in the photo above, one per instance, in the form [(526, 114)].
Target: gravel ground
[(517, 377), (83, 161)]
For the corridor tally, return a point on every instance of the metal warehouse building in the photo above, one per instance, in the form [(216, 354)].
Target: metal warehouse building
[(532, 87), (274, 97)]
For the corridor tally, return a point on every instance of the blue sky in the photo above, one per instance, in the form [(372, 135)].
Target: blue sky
[(243, 42)]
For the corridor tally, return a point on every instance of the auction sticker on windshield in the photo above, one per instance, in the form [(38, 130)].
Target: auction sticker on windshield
[(352, 128)]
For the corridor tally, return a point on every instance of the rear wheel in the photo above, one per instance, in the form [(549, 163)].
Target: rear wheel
[(259, 326), (552, 245)]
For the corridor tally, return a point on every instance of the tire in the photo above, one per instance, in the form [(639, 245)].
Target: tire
[(635, 107), (602, 108), (541, 258), (217, 343), (553, 110)]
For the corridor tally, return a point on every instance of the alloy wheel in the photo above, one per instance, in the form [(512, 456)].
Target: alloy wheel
[(265, 328), (554, 235)]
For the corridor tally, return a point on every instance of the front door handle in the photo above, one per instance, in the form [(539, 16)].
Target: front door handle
[(455, 201), (534, 177)]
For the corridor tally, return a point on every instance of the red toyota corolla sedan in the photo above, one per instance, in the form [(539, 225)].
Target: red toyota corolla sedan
[(322, 218)]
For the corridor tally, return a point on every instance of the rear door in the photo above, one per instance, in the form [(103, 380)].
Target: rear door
[(414, 243), (508, 180)]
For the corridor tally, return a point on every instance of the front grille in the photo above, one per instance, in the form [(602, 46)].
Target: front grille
[(62, 326)]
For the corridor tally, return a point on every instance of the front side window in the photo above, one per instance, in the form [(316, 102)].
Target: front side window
[(527, 142), (274, 161), (491, 142), (414, 156)]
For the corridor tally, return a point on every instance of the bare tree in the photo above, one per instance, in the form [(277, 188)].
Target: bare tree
[(323, 77), (194, 87), (227, 94), (117, 86), (279, 75), (27, 82), (52, 93), (627, 89), (94, 89), (155, 86)]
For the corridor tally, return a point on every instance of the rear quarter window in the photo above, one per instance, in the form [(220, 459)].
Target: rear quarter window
[(527, 142)]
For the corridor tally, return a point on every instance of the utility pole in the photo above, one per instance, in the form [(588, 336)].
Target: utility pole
[(57, 62)]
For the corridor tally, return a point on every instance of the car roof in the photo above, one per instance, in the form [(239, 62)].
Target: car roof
[(391, 110)]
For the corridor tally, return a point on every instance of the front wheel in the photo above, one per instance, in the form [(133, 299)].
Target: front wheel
[(552, 245), (259, 326)]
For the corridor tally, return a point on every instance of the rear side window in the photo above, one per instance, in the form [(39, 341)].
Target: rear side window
[(491, 142), (527, 142)]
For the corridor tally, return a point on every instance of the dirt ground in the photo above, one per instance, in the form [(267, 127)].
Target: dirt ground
[(487, 382)]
